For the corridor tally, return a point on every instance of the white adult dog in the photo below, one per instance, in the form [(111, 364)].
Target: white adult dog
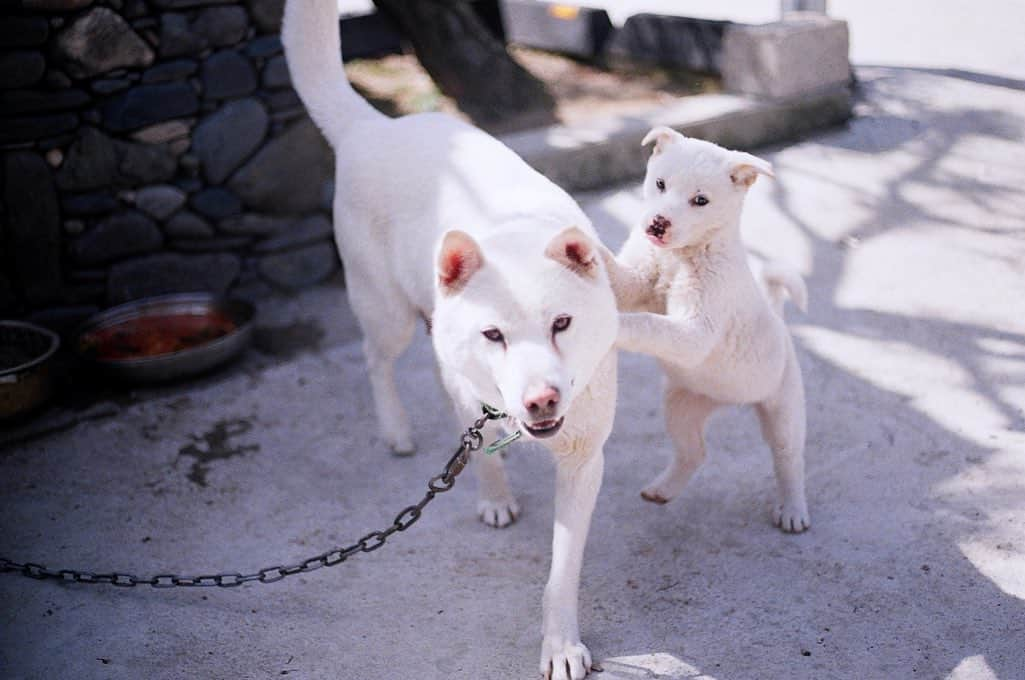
[(719, 336), (522, 313)]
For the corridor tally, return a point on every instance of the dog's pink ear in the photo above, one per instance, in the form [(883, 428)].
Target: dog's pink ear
[(746, 168), (573, 249), (459, 258), (662, 136)]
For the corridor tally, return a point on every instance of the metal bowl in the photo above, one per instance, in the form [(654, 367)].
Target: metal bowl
[(26, 379), (173, 365)]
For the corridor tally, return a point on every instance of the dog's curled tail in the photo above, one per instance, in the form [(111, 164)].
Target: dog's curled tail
[(782, 282), (314, 53)]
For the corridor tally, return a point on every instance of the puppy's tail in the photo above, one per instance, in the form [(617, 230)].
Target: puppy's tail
[(313, 49), (782, 282)]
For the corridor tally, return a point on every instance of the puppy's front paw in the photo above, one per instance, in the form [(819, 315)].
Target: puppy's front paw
[(792, 517), (562, 660), (498, 513), (654, 494)]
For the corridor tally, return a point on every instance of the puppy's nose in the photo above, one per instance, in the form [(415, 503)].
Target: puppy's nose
[(659, 225), (542, 403)]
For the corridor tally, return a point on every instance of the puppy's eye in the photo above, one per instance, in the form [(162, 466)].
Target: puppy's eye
[(660, 184), (699, 200), (493, 334), (561, 323)]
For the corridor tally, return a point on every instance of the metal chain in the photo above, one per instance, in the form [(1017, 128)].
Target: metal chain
[(471, 440)]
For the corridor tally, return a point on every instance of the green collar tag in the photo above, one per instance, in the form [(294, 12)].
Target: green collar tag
[(503, 442), (495, 414)]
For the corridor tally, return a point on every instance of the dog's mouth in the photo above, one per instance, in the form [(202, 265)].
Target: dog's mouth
[(656, 231), (543, 429)]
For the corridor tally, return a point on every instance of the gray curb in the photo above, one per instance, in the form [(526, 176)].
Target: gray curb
[(600, 153)]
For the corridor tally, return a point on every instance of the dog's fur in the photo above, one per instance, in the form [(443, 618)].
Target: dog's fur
[(719, 336), (436, 219)]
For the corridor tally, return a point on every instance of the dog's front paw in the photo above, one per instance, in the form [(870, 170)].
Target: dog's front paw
[(792, 517), (563, 660), (400, 443), (498, 513)]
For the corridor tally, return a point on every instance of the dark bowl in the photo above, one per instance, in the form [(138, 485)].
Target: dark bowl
[(26, 378), (177, 364)]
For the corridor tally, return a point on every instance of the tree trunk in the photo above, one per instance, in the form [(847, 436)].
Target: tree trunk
[(470, 65)]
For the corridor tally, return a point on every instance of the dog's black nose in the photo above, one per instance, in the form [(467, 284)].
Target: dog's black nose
[(659, 226)]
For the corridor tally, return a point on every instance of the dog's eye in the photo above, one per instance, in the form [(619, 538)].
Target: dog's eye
[(561, 323), (699, 200), (493, 334), (660, 184)]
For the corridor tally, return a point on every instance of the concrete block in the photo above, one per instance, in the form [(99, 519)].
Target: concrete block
[(804, 53), (568, 29)]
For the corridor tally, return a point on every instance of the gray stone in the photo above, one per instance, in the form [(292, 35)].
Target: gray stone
[(148, 104), (19, 102), (56, 79), (804, 54), (160, 133), (159, 201), (189, 185), (100, 41), (252, 224), (21, 68), (88, 205), (275, 74), (216, 203), (285, 176), (264, 46), (211, 245), (186, 224), (306, 232), (221, 26), (74, 227), (267, 14), (226, 139), (91, 162), (33, 227), (118, 236), (177, 39), (227, 74), (95, 161), (299, 268), (179, 69), (143, 164), (110, 85), (171, 273), (23, 31), (283, 101)]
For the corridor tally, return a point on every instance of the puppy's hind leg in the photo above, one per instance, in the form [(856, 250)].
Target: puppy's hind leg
[(388, 322), (782, 418), (685, 414)]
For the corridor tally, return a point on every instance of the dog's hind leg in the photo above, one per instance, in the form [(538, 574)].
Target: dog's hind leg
[(685, 413), (388, 322), (782, 418)]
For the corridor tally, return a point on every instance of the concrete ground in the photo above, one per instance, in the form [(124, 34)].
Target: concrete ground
[(908, 226)]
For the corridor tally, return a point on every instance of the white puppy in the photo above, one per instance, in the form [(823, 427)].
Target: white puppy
[(718, 335), (436, 219)]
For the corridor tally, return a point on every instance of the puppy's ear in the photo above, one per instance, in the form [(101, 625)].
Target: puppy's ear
[(459, 258), (662, 136), (746, 168), (573, 249)]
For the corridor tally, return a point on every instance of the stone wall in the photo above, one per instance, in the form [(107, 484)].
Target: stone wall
[(153, 146)]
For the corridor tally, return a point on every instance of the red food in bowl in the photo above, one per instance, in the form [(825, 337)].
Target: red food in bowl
[(151, 336)]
